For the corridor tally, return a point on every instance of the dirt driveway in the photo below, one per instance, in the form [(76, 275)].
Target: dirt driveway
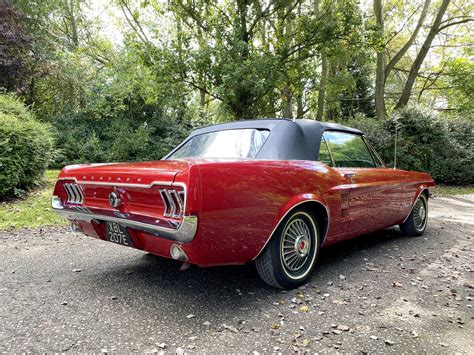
[(380, 293)]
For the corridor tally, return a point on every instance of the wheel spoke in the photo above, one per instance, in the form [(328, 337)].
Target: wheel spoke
[(419, 213), (293, 230), (292, 261), (296, 245)]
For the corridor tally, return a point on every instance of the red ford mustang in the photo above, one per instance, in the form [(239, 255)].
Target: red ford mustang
[(272, 191)]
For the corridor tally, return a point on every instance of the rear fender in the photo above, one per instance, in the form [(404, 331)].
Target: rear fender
[(421, 188), (289, 206)]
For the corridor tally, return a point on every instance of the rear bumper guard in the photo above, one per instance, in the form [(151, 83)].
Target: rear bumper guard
[(183, 233)]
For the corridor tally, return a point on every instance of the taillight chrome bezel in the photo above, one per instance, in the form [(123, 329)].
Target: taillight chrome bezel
[(173, 201), (75, 194)]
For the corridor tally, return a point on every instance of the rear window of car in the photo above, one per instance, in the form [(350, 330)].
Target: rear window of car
[(226, 144)]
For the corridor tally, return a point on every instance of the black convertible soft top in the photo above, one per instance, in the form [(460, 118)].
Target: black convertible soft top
[(297, 139)]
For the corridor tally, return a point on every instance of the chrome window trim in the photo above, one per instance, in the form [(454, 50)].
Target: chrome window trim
[(373, 152), (283, 217), (355, 135), (323, 139)]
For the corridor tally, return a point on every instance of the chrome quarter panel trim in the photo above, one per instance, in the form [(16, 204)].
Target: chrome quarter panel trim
[(414, 201), (283, 217), (185, 232)]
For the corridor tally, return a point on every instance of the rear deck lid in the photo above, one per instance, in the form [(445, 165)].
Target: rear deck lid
[(142, 173)]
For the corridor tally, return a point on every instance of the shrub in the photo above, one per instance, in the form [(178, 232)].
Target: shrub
[(119, 138), (26, 147), (425, 142)]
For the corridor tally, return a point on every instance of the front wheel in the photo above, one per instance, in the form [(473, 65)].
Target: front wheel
[(415, 224), (289, 258)]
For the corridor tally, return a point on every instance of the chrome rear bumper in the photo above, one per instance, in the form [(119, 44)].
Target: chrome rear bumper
[(183, 233)]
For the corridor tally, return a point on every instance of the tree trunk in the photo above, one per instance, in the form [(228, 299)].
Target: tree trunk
[(396, 58), (380, 69), (415, 68), (324, 73), (288, 107), (299, 104), (322, 86)]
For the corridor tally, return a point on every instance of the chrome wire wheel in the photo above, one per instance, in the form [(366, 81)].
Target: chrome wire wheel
[(296, 247), (420, 213)]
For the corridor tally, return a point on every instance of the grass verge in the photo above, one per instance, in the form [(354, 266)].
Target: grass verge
[(447, 190), (33, 211)]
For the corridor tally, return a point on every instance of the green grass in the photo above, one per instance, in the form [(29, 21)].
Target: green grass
[(447, 190), (33, 211)]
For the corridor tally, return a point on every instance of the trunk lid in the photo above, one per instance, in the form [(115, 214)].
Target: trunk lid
[(143, 173)]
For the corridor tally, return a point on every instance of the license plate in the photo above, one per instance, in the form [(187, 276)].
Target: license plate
[(116, 233)]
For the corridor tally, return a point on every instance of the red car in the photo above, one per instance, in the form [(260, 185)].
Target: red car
[(270, 191)]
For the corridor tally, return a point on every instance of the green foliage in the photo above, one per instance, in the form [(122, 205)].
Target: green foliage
[(460, 78), (12, 106), (90, 140), (425, 142), (26, 147), (33, 211), (13, 49)]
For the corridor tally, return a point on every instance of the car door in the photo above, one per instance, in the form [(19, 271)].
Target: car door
[(374, 194)]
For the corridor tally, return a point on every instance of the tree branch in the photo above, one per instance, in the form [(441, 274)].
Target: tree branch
[(396, 58), (455, 23)]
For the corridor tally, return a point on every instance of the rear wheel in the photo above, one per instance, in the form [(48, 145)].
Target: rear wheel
[(289, 258), (415, 224)]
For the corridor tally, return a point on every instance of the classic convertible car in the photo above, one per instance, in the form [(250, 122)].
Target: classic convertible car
[(271, 191)]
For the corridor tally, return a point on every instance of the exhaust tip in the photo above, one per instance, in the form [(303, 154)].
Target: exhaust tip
[(177, 253), (76, 228)]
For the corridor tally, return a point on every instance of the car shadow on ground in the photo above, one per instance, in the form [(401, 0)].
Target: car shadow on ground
[(145, 288), (226, 286)]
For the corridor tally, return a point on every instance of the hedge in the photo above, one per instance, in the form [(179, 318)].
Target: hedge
[(426, 142), (26, 148)]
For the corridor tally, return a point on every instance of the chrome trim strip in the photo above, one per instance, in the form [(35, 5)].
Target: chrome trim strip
[(185, 232), (68, 191), (172, 211), (414, 201), (164, 198), (80, 192), (174, 193), (118, 183), (283, 217)]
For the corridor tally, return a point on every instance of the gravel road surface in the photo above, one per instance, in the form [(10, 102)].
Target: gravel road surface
[(382, 292)]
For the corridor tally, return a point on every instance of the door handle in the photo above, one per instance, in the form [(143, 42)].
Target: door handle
[(349, 175)]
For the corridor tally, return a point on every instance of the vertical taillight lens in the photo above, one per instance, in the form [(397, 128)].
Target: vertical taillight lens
[(74, 192), (173, 201)]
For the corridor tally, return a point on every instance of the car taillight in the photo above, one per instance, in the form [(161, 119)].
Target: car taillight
[(173, 201), (74, 193)]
